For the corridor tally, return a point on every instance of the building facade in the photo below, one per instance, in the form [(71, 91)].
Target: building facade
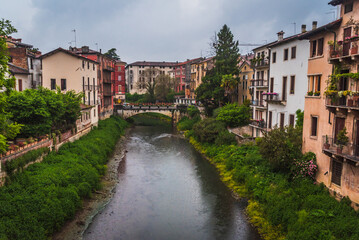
[(259, 85), (140, 73), (69, 71), (105, 76), (333, 70), (246, 75), (287, 80), (198, 72), (24, 64)]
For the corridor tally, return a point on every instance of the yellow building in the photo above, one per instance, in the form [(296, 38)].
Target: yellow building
[(198, 72), (69, 71), (246, 74)]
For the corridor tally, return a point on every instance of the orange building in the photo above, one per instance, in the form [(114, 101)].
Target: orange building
[(334, 51)]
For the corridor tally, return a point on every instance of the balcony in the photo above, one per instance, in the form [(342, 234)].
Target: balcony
[(345, 51), (344, 102), (259, 83), (108, 68), (258, 124), (349, 151), (262, 64), (259, 104), (275, 98)]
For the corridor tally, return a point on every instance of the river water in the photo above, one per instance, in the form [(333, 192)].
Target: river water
[(166, 190)]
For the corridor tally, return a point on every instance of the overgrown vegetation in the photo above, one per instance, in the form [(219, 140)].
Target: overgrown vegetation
[(187, 123), (235, 116), (282, 207), (40, 199), (19, 163)]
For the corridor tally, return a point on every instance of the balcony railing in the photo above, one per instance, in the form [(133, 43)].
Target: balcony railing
[(262, 63), (259, 83), (259, 123), (345, 49), (275, 98), (349, 151), (258, 103), (351, 102)]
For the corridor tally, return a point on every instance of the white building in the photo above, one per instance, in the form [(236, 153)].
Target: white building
[(288, 80), (136, 74)]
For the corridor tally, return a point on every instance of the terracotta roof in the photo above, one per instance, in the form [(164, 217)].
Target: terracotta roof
[(156, 64), (263, 46), (335, 2), (67, 52), (17, 70), (328, 26), (245, 59)]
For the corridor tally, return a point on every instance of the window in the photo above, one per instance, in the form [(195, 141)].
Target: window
[(63, 84), (286, 52), (348, 7), (274, 57), (314, 126), (314, 84), (336, 172), (53, 84), (281, 124), (284, 89), (83, 64), (20, 85), (270, 120), (93, 67), (294, 53), (292, 84), (31, 64), (271, 87), (291, 120), (317, 47)]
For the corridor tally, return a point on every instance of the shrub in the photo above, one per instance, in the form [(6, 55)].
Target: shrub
[(234, 116), (193, 111), (225, 138), (280, 147), (208, 129)]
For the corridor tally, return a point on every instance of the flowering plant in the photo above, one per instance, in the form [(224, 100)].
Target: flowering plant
[(340, 42), (306, 167), (269, 93), (310, 93), (316, 93)]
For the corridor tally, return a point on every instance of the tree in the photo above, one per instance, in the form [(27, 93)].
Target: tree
[(222, 78), (112, 54), (8, 129), (227, 53), (235, 116), (148, 81), (164, 88)]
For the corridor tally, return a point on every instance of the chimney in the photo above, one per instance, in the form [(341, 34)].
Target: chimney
[(85, 49), (100, 50), (304, 28), (314, 25), (280, 35)]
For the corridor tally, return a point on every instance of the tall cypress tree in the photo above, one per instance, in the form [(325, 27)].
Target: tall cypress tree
[(212, 93), (227, 53)]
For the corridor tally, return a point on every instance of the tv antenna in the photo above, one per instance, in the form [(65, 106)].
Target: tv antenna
[(74, 30)]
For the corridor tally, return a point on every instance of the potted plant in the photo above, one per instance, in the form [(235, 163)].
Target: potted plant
[(326, 143), (342, 140), (317, 93), (310, 93)]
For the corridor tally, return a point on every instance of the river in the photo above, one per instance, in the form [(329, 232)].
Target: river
[(166, 190)]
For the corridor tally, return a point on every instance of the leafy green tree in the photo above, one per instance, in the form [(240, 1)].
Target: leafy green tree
[(235, 116), (211, 93), (8, 129), (281, 146), (164, 87), (112, 54), (230, 84)]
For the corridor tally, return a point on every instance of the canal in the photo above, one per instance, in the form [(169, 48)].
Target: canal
[(166, 190)]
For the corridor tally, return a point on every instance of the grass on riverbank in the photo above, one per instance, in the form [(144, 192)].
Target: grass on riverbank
[(40, 199), (150, 119), (281, 208)]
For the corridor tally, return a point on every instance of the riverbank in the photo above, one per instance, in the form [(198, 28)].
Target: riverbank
[(41, 199), (74, 229), (279, 206)]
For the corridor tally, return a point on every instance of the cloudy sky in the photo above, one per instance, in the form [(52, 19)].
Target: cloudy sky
[(158, 30)]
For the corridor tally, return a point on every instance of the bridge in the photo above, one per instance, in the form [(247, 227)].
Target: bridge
[(174, 112)]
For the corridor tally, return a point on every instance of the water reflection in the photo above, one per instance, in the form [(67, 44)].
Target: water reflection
[(167, 191)]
